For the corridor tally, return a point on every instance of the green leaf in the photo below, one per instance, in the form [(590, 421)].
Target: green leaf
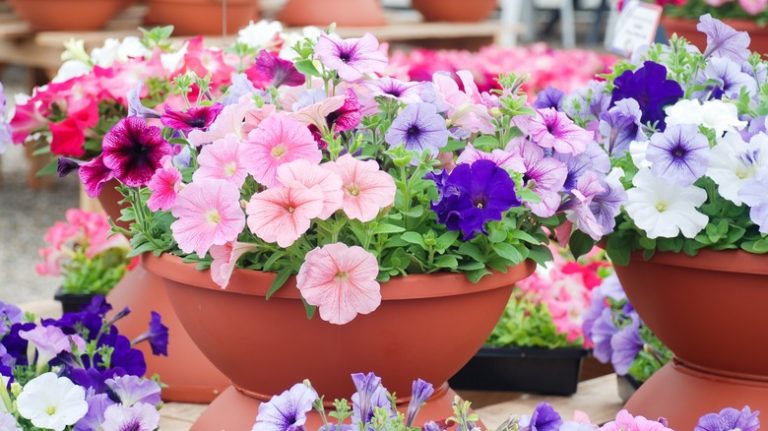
[(508, 251), (446, 240), (473, 251), (49, 169), (309, 309), (524, 236), (306, 67), (497, 234), (447, 261), (475, 276), (413, 238), (280, 280), (618, 250), (759, 246), (580, 243), (388, 228)]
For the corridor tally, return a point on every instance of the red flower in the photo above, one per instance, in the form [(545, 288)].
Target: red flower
[(68, 136)]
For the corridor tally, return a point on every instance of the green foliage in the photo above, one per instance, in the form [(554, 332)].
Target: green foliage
[(526, 324), (653, 356), (693, 9), (96, 275)]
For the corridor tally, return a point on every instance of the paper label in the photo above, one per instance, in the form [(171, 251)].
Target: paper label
[(636, 26)]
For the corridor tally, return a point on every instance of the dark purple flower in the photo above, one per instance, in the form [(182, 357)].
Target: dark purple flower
[(274, 71), (549, 97), (472, 195), (723, 40), (125, 359), (194, 118), (65, 166), (89, 378), (133, 151), (15, 346), (419, 127), (420, 393), (157, 335), (544, 418), (651, 89), (620, 125), (730, 419), (287, 411), (679, 154), (94, 175), (626, 344), (723, 77)]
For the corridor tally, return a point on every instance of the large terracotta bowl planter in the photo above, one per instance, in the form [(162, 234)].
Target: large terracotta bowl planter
[(711, 311), (687, 29), (193, 17), (70, 15), (455, 10), (345, 13), (427, 326)]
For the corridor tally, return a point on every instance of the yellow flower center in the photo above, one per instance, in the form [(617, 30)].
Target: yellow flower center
[(278, 151), (213, 217), (661, 206), (50, 411), (342, 276), (230, 169), (353, 190)]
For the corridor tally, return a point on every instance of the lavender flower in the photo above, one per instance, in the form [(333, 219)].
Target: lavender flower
[(588, 102), (432, 426), (276, 71), (723, 40), (420, 128), (594, 158), (287, 411), (578, 208), (8, 422), (420, 393), (730, 419), (680, 154), (132, 389), (406, 92), (132, 153), (549, 97), (135, 107), (157, 335), (543, 418), (602, 332), (472, 195), (723, 77), (651, 89), (620, 125), (241, 86), (194, 118), (97, 405), (351, 58), (9, 314), (606, 205), (139, 417), (545, 176), (626, 344), (369, 396), (753, 193)]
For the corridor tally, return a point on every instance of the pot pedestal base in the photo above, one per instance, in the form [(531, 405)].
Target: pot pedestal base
[(682, 394), (189, 376), (235, 411)]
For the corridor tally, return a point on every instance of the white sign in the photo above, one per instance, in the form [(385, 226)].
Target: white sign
[(636, 26)]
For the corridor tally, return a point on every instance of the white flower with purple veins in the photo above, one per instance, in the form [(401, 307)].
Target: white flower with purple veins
[(52, 402), (664, 209), (735, 161), (287, 411), (713, 114), (139, 417), (755, 194), (351, 58), (680, 154)]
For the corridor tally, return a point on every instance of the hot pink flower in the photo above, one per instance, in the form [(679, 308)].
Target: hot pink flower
[(341, 281), (550, 128), (68, 137), (165, 185), (94, 175), (224, 259), (309, 175), (366, 188), (283, 214), (208, 213), (226, 159), (626, 422), (351, 58), (280, 139)]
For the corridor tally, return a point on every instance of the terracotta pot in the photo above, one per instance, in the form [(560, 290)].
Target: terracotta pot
[(705, 309), (687, 29), (455, 10), (345, 13), (427, 326), (110, 200), (193, 17), (71, 15)]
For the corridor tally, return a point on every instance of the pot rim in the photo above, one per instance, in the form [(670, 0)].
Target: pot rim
[(736, 261), (257, 283), (690, 23)]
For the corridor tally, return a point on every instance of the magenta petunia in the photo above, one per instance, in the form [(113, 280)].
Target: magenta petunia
[(133, 150), (94, 175), (351, 58), (194, 118), (550, 128), (165, 185), (271, 70)]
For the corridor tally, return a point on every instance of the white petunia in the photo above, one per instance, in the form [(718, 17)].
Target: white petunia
[(734, 161), (71, 69), (714, 114), (638, 151), (121, 51), (52, 402), (663, 209), (172, 61), (261, 34)]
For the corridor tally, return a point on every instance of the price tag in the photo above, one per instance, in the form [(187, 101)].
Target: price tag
[(636, 26)]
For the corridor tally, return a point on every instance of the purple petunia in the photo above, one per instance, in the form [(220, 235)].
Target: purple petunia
[(156, 335), (194, 118), (729, 419), (132, 151), (97, 405), (753, 193), (679, 154), (275, 71), (625, 345), (553, 129), (133, 389), (370, 395), (601, 334), (723, 40), (588, 102), (723, 77), (543, 418), (650, 87), (620, 125), (549, 97), (420, 128), (545, 176), (420, 393), (351, 58), (65, 166), (135, 107), (9, 314), (287, 411), (406, 92), (473, 194)]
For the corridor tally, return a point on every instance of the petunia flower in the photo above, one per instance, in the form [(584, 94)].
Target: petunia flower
[(753, 193), (226, 159), (49, 341), (138, 417), (194, 118), (651, 89), (503, 158), (626, 422), (406, 92), (8, 422), (552, 129), (156, 335), (133, 151), (341, 281), (271, 70), (543, 418), (723, 77), (280, 139), (287, 411), (419, 128), (224, 258), (131, 390), (545, 176), (351, 58), (722, 40), (549, 97), (282, 214), (620, 125), (464, 109), (733, 162), (713, 114), (229, 121), (579, 208), (664, 209), (370, 396), (208, 213), (680, 154), (52, 402), (367, 189), (94, 175), (420, 393), (306, 174), (164, 186), (730, 419), (626, 344)]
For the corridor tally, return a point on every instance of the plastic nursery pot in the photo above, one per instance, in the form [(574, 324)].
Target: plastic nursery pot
[(72, 302), (687, 29), (70, 15), (345, 13), (455, 10), (427, 326), (704, 308), (193, 17), (522, 369)]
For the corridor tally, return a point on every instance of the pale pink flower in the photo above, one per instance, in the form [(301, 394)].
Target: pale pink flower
[(304, 173), (754, 7), (278, 140), (504, 159), (208, 213), (229, 122), (626, 422), (317, 113), (224, 259), (283, 214), (341, 281), (226, 159), (550, 128), (366, 188), (463, 109), (254, 117), (165, 185)]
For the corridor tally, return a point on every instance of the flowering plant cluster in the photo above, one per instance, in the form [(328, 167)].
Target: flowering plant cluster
[(721, 9), (372, 407), (686, 134), (347, 178), (618, 336), (547, 309), (77, 372), (83, 251), (543, 66)]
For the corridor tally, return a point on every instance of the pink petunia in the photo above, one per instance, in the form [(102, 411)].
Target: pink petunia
[(226, 159), (280, 139), (283, 214), (165, 185), (503, 159), (754, 7), (229, 121), (309, 175), (94, 175), (341, 281), (550, 128), (351, 58), (224, 259), (626, 422), (208, 213), (366, 188)]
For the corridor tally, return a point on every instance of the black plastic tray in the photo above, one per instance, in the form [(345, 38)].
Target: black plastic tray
[(72, 303)]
